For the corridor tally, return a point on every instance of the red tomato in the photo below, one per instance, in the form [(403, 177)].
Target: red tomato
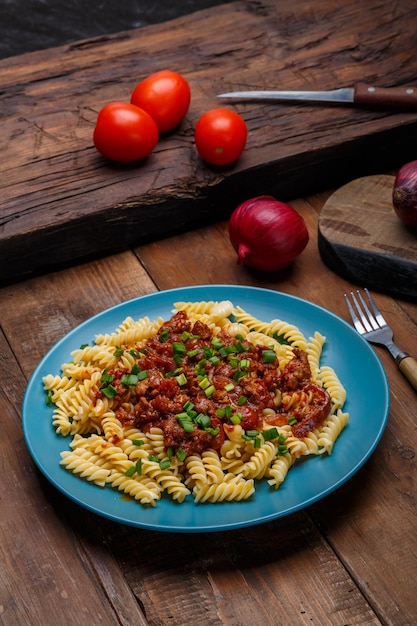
[(165, 96), (123, 132), (220, 136)]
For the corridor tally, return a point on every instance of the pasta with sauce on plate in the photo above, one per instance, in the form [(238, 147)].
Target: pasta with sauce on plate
[(202, 405)]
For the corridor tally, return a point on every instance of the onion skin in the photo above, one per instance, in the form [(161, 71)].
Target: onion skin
[(404, 195), (267, 234)]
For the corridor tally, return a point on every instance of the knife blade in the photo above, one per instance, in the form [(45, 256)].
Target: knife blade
[(360, 94)]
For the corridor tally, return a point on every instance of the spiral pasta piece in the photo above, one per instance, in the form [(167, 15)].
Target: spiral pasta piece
[(146, 492), (279, 469), (331, 382), (169, 482), (131, 334), (232, 488), (331, 430), (260, 461), (213, 467), (84, 464), (314, 351)]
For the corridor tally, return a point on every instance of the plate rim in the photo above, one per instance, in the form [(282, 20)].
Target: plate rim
[(164, 295)]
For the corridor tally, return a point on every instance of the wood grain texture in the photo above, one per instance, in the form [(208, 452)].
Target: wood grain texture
[(61, 202), (361, 237), (336, 563)]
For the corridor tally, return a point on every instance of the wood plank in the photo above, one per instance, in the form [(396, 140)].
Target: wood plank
[(44, 536), (62, 202), (45, 570)]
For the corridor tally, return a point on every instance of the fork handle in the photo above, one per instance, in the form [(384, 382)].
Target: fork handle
[(408, 366)]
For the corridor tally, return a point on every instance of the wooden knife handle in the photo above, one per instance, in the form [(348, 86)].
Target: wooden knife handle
[(408, 366), (392, 97)]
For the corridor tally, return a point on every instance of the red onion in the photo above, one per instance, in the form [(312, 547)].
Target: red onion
[(404, 195), (267, 234)]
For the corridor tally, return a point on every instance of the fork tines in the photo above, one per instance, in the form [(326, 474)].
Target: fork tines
[(369, 320)]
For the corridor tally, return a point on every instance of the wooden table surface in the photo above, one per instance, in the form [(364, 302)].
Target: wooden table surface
[(348, 559)]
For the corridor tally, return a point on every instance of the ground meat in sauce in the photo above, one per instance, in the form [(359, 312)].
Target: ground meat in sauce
[(226, 382)]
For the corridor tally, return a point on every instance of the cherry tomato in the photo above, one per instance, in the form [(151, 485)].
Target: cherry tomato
[(124, 132), (166, 96), (220, 136)]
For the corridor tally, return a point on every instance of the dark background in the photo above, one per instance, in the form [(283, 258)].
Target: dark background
[(27, 25)]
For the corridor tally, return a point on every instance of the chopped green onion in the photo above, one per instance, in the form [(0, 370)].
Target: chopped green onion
[(135, 353), (181, 454), (48, 399), (292, 420), (252, 433), (242, 400), (135, 369), (178, 348), (236, 418), (192, 353), (137, 468), (202, 420), (138, 442), (203, 384), (169, 453), (268, 356), (216, 343), (83, 345), (130, 380), (209, 391), (229, 387), (213, 431), (142, 375), (164, 335), (214, 360), (154, 458), (188, 406), (257, 442), (244, 364), (220, 413), (208, 352), (271, 433), (181, 379), (283, 450), (110, 391), (164, 464), (106, 377), (118, 351), (185, 421), (185, 335)]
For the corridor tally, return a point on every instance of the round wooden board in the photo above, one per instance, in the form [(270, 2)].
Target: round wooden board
[(361, 238)]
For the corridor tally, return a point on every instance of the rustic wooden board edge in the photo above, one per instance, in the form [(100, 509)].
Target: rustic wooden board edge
[(397, 277), (116, 229)]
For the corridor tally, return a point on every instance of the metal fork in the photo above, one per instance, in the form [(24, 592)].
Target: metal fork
[(369, 322)]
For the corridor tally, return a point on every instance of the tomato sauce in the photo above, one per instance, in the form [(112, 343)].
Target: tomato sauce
[(194, 385)]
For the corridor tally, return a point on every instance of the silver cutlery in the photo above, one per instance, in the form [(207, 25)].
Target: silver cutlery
[(360, 94), (369, 322)]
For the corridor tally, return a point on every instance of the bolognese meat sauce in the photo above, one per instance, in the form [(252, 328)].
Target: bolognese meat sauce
[(193, 385)]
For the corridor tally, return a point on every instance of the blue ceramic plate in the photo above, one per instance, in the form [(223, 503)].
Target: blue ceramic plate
[(352, 357)]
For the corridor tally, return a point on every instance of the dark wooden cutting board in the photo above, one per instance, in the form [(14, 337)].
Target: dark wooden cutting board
[(61, 202), (362, 239)]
